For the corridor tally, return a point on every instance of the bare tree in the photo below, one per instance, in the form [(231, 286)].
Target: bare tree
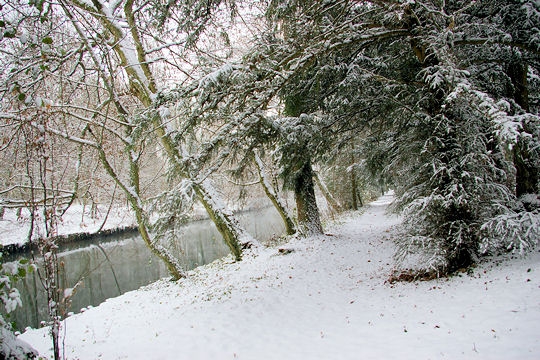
[(95, 65)]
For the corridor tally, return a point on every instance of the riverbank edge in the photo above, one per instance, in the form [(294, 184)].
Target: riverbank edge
[(16, 249)]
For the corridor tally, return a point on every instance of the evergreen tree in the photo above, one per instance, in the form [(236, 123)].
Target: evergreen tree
[(453, 155), (403, 76)]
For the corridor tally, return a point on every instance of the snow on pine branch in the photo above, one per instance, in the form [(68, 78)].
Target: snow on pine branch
[(511, 231), (216, 76), (439, 76), (172, 209), (508, 128)]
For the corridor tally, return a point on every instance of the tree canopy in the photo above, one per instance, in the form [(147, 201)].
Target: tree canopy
[(438, 93)]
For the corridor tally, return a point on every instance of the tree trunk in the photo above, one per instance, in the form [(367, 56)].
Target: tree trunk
[(517, 71), (309, 221), (233, 234), (527, 174), (326, 193), (173, 266), (290, 228), (354, 194)]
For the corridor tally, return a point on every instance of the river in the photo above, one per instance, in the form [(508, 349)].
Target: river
[(110, 266)]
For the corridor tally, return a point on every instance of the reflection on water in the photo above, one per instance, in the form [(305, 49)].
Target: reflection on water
[(108, 267)]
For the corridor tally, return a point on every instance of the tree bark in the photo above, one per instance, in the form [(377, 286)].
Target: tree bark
[(527, 174), (517, 71), (233, 234), (309, 221), (173, 266), (354, 193)]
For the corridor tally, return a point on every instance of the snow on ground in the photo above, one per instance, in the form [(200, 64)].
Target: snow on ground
[(327, 299), (77, 219)]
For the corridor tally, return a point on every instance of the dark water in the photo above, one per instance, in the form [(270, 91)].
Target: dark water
[(108, 267)]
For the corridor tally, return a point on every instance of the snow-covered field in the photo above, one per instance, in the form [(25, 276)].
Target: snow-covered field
[(327, 299)]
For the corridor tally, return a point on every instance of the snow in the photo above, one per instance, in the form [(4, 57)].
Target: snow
[(13, 348), (76, 220), (323, 297), (68, 293), (214, 77)]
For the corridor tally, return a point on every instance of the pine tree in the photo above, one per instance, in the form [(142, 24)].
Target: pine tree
[(454, 152)]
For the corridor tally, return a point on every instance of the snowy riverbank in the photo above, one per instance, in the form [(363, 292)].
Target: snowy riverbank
[(327, 299), (77, 220)]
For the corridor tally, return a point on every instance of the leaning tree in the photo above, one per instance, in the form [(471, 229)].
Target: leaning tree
[(106, 63)]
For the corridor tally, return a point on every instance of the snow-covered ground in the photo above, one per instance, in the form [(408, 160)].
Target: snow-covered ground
[(327, 299)]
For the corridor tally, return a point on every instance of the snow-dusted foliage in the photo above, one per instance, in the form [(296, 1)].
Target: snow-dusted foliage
[(408, 78), (89, 67), (459, 178), (171, 210), (11, 272), (457, 157), (515, 229), (13, 348), (10, 346)]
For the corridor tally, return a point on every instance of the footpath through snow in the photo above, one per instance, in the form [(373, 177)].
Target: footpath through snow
[(327, 299)]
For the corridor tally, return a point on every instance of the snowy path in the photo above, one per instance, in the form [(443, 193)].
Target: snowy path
[(325, 300)]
